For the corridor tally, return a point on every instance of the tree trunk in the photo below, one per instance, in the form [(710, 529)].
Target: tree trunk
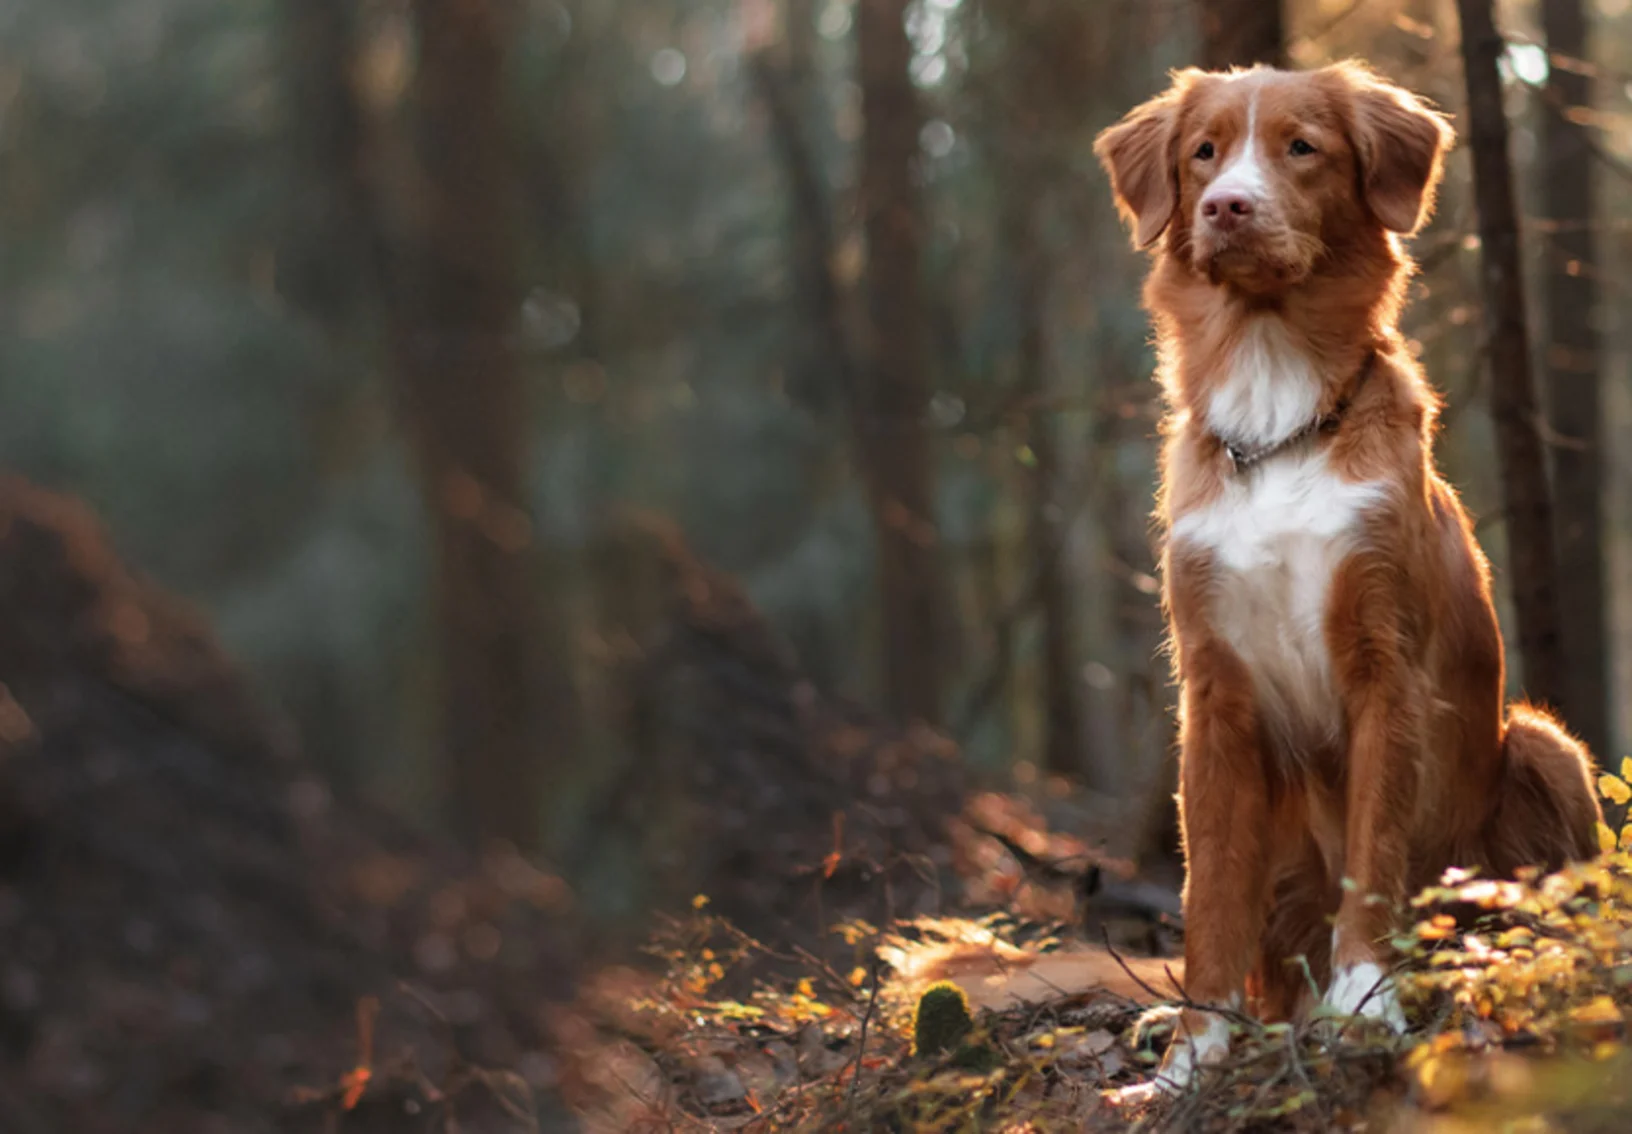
[(1239, 33), (1572, 360), (323, 260), (895, 450), (1526, 503), (1046, 535), (501, 691), (811, 236)]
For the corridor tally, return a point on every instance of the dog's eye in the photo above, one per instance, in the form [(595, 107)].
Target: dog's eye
[(1205, 151), (1301, 148)]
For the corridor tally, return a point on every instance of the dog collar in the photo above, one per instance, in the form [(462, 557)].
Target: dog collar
[(1243, 458)]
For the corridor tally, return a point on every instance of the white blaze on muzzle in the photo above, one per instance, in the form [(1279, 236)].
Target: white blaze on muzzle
[(1243, 174)]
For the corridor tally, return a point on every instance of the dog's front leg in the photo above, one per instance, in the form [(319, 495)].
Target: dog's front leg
[(1386, 698), (1224, 809)]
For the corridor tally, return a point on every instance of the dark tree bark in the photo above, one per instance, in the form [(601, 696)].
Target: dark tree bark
[(1239, 33), (1040, 90), (325, 269), (1572, 361), (894, 444), (324, 262), (1526, 502), (503, 695), (1046, 534), (800, 39), (811, 234)]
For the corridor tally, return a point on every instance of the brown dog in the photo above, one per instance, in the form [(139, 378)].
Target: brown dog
[(1343, 736)]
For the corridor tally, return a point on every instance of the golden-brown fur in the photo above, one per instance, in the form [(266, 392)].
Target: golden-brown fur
[(1289, 832)]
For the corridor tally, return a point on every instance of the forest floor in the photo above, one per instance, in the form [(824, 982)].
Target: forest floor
[(1519, 993)]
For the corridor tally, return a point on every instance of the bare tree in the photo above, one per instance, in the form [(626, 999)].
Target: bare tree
[(781, 70), (1572, 362), (324, 262), (503, 695), (1039, 90), (894, 444), (1062, 689), (1239, 33), (1527, 504)]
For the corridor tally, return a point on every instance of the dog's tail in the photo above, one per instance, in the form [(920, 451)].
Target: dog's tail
[(1547, 812)]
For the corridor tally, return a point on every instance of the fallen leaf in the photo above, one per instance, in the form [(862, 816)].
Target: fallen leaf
[(355, 1083)]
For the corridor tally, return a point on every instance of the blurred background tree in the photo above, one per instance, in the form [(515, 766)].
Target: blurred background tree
[(1238, 33), (369, 325), (1567, 228)]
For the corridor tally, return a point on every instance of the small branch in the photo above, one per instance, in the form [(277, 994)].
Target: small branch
[(861, 1044), (1182, 1000)]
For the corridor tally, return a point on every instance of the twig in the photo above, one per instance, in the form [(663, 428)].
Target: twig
[(439, 1018), (1182, 1000), (861, 1044), (1248, 1112), (1303, 1072), (799, 954), (1133, 976)]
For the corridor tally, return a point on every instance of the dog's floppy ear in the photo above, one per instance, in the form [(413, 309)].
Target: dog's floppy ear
[(1138, 153), (1400, 143)]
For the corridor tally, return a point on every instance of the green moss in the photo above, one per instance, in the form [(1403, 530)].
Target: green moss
[(941, 1019), (977, 1057)]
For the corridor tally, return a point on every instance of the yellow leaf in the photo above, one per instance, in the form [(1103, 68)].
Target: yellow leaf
[(699, 901), (1438, 928), (858, 975), (1614, 789), (1626, 837), (1599, 1010), (807, 989), (1626, 768), (1606, 839)]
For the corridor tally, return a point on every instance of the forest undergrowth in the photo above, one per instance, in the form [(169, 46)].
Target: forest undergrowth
[(1518, 992)]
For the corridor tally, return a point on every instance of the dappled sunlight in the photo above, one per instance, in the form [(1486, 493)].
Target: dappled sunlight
[(565, 563)]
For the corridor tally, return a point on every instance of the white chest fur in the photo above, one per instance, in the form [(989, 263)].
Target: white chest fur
[(1273, 390), (1277, 535)]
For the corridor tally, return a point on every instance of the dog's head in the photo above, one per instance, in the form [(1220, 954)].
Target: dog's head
[(1257, 177)]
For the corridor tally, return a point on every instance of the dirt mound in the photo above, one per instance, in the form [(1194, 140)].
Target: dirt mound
[(188, 924), (786, 805)]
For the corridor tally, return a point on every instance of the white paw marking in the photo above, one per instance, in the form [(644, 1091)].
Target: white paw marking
[(1365, 990), (1192, 1050)]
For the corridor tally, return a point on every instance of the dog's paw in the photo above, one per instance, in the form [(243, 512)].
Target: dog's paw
[(1137, 1095), (1364, 990), (1152, 1021)]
